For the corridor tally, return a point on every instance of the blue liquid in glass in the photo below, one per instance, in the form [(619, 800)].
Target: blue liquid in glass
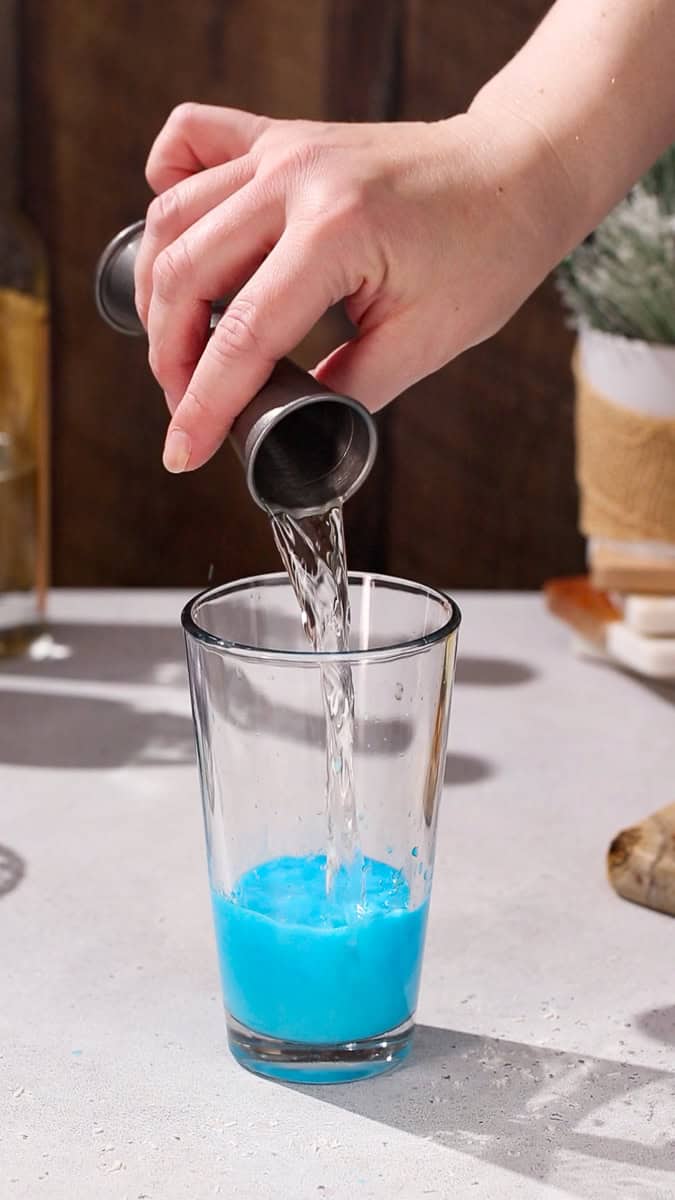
[(303, 966)]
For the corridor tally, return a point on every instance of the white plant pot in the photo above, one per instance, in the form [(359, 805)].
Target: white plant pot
[(635, 375)]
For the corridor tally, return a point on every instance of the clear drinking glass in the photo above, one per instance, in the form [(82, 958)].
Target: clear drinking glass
[(319, 988)]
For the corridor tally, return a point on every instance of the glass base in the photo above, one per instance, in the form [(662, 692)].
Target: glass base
[(300, 1062)]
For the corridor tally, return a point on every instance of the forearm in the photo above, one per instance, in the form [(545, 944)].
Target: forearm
[(433, 233), (594, 88)]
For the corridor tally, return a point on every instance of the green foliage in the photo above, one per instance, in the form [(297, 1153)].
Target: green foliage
[(622, 278)]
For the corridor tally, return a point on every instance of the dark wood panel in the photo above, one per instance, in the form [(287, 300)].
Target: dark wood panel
[(483, 490), (8, 101), (98, 81), (486, 444), (361, 82), (483, 462), (363, 52), (452, 48)]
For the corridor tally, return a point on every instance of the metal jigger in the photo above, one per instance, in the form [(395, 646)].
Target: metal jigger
[(303, 447)]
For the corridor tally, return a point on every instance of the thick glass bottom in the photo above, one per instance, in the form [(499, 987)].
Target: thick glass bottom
[(299, 1062)]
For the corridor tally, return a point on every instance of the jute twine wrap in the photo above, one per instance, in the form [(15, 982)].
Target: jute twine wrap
[(625, 465)]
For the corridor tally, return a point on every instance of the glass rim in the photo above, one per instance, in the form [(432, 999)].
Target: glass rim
[(194, 630)]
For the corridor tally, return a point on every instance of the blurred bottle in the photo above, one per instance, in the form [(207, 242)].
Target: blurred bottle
[(24, 456), (23, 433)]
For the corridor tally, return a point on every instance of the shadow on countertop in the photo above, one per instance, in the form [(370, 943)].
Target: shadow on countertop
[(49, 730), (58, 731), (662, 689), (467, 768), (12, 870), (658, 1024), (557, 1117), (481, 671), (45, 729), (154, 654), (106, 653)]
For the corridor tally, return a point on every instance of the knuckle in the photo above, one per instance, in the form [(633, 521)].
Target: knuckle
[(183, 115), (162, 212), (195, 406), (346, 206), (294, 160), (331, 210), (353, 203), (237, 332), (170, 269), (303, 156)]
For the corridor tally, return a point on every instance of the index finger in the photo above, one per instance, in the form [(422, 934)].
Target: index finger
[(271, 314), (197, 136)]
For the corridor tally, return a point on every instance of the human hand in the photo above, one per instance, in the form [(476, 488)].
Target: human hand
[(433, 234)]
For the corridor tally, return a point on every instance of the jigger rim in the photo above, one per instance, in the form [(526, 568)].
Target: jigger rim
[(102, 278), (273, 417)]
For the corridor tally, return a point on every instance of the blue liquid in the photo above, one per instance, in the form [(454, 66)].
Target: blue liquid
[(302, 966)]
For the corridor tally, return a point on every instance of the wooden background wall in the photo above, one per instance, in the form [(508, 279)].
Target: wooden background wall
[(474, 486)]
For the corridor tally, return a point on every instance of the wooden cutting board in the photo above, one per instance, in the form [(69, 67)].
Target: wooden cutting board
[(617, 572)]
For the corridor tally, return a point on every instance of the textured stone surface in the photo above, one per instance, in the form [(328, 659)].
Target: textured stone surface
[(545, 1056)]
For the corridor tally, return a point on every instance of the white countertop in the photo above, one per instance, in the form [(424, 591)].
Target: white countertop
[(545, 1059)]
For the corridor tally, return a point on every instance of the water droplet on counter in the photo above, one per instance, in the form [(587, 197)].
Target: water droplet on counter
[(398, 691)]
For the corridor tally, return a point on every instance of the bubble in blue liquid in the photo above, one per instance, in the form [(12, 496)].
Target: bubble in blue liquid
[(415, 851)]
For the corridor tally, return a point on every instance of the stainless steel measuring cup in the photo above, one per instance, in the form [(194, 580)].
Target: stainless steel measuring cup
[(303, 447)]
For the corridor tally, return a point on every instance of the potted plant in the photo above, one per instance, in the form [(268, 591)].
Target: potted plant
[(619, 287)]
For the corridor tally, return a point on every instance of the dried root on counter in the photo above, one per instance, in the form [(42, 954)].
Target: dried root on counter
[(641, 861)]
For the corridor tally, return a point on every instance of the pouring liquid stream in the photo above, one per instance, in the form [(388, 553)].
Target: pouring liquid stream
[(312, 550)]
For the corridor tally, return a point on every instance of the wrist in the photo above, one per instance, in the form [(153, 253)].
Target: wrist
[(541, 194)]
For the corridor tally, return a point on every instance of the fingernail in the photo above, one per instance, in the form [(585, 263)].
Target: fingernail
[(177, 450)]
